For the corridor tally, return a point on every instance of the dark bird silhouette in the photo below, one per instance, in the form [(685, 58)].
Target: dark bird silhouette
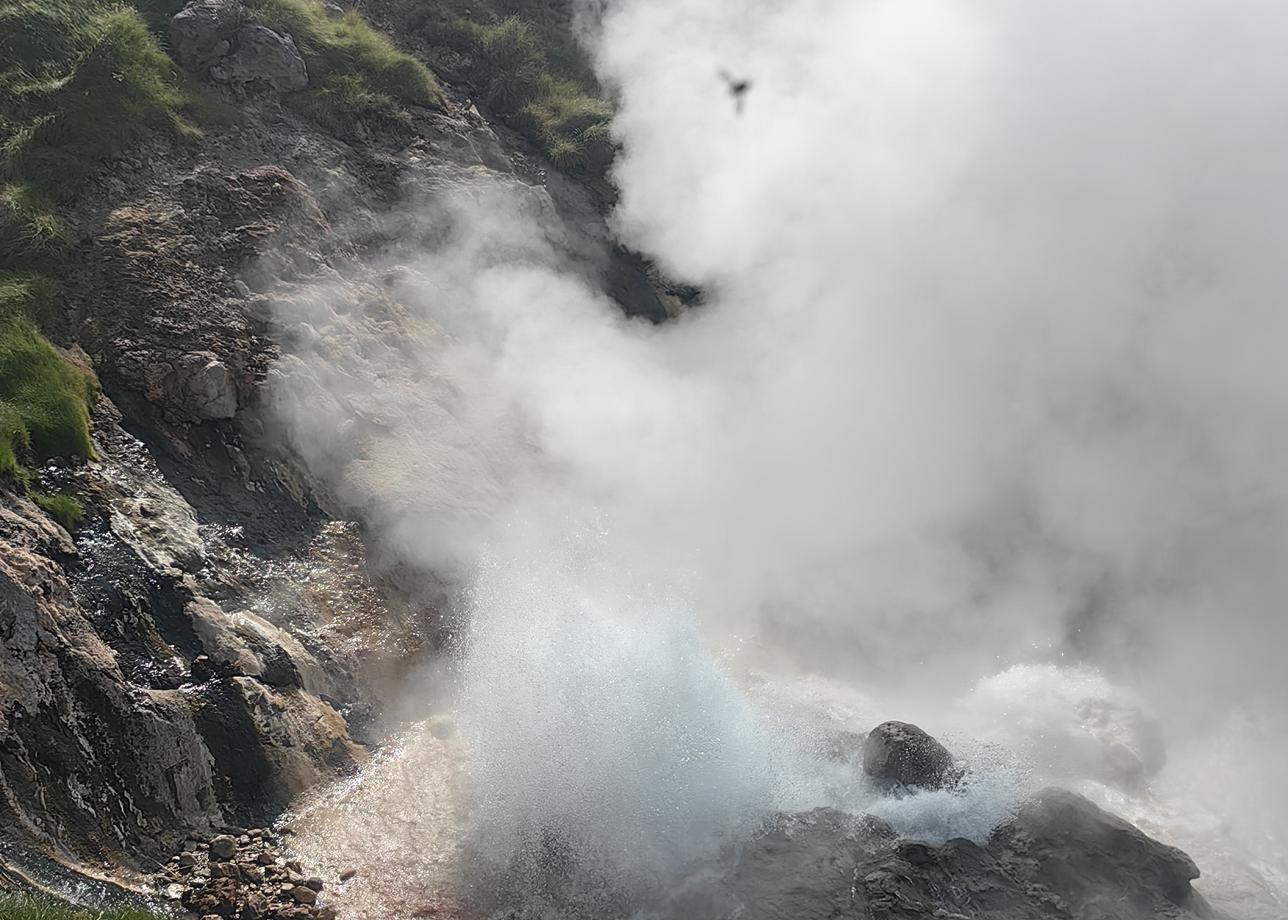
[(737, 88)]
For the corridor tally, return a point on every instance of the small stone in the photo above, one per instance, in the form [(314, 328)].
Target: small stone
[(266, 858), (255, 832), (325, 913), (243, 840), (295, 877), (224, 870), (223, 847), (304, 894), (314, 883), (252, 874), (348, 874), (186, 860), (294, 866)]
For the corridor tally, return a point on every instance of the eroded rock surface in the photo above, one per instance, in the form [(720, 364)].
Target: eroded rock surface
[(1060, 858)]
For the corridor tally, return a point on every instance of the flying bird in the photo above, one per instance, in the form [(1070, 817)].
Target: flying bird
[(737, 88)]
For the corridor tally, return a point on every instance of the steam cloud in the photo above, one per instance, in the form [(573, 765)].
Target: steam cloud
[(991, 373)]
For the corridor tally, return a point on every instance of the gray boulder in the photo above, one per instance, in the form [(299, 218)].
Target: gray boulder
[(201, 33), (212, 39), (897, 752), (260, 55), (204, 386)]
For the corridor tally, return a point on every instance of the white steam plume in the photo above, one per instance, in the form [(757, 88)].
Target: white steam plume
[(991, 372)]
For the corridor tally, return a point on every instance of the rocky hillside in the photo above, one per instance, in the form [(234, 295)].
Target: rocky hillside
[(196, 627), (176, 660)]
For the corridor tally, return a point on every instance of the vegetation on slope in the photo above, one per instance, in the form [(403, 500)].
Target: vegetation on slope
[(356, 72), (31, 907), (78, 79), (44, 398), (530, 69)]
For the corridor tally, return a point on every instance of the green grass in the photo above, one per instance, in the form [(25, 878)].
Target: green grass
[(531, 70), (30, 907), (64, 509), (44, 398), (30, 231), (78, 79), (356, 73)]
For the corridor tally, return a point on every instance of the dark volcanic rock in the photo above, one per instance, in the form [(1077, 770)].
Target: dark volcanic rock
[(897, 752), (1060, 858)]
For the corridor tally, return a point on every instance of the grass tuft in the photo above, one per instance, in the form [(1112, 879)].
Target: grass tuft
[(65, 509), (30, 232), (78, 81), (531, 70), (34, 907), (350, 63), (44, 398)]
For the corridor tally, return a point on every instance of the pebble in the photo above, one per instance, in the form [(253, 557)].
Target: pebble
[(348, 874)]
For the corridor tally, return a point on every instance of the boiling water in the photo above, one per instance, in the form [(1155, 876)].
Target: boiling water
[(591, 735)]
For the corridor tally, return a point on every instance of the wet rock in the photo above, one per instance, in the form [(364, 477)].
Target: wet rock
[(898, 752), (203, 386), (223, 847), (1060, 857), (260, 55)]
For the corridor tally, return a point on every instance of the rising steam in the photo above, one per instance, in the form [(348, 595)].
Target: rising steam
[(990, 374)]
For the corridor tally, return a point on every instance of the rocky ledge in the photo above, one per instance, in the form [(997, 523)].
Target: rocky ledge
[(243, 875)]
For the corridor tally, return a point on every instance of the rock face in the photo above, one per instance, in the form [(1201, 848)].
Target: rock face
[(897, 752), (1060, 858), (112, 739), (209, 37)]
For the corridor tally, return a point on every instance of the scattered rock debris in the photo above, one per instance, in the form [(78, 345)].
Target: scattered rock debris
[(243, 876)]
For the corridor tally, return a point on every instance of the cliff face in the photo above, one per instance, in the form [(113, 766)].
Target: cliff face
[(210, 641)]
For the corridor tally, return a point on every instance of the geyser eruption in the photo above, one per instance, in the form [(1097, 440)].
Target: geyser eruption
[(598, 723), (989, 376)]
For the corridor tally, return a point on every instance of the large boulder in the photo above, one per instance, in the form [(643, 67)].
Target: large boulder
[(900, 753), (260, 55), (213, 39), (201, 34)]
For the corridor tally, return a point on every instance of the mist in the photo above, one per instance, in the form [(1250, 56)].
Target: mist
[(984, 407)]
